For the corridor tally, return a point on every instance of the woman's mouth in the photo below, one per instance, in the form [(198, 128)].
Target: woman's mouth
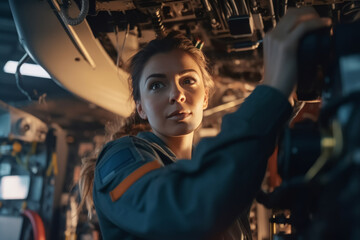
[(179, 115)]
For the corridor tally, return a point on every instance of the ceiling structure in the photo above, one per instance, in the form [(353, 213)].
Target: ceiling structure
[(51, 102)]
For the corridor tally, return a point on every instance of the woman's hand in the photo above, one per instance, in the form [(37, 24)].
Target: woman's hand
[(280, 47)]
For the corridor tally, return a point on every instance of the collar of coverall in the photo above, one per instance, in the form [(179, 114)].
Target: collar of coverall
[(159, 145)]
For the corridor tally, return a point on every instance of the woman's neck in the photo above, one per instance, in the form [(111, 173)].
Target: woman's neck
[(180, 145)]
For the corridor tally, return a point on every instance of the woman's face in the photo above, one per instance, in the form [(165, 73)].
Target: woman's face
[(172, 92)]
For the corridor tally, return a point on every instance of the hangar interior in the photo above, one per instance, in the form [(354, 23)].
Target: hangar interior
[(81, 48)]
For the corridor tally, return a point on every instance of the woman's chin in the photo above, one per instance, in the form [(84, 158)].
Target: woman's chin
[(181, 130)]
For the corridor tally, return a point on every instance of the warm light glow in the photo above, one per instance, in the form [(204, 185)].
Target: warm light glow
[(27, 69)]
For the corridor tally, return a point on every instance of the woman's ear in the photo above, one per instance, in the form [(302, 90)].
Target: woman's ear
[(206, 99), (140, 110)]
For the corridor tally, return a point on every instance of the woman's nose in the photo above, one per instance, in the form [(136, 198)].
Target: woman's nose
[(177, 94)]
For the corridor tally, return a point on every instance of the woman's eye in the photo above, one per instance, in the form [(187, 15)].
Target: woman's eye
[(189, 81), (156, 85)]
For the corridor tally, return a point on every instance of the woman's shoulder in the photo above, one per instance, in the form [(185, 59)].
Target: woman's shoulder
[(126, 144), (121, 157)]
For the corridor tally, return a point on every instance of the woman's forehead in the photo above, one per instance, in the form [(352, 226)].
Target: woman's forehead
[(173, 62)]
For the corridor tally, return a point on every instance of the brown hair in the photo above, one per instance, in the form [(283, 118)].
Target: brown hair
[(134, 124)]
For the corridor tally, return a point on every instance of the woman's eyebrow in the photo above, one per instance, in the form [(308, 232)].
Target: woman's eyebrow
[(155, 75), (188, 70), (162, 75)]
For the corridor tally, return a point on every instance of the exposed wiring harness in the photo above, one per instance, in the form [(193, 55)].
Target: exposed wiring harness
[(18, 76), (157, 22), (232, 8), (80, 18)]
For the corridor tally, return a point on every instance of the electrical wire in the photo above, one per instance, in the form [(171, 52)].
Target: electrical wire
[(349, 7), (37, 224), (234, 7), (228, 10), (273, 15), (18, 76), (116, 32), (207, 5), (245, 7), (120, 52), (220, 14), (285, 6), (119, 60), (331, 147)]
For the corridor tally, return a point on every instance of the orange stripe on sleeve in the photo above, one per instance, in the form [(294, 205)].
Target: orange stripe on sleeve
[(120, 189)]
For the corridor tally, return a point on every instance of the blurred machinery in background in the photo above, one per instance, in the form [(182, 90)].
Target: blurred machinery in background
[(33, 158), (319, 158)]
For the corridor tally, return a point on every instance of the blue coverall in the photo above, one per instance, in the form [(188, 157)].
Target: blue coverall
[(140, 192)]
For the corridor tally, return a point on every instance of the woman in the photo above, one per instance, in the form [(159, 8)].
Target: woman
[(144, 186)]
